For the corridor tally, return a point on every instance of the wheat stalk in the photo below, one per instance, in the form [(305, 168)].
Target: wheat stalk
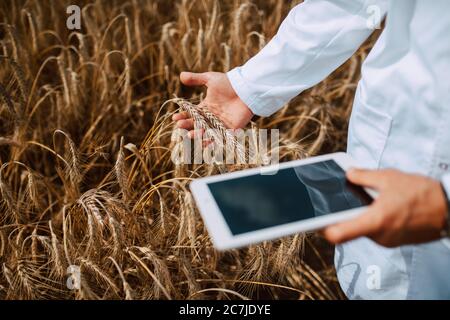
[(128, 217), (214, 128)]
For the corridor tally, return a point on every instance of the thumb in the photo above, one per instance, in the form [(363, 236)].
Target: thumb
[(366, 178), (365, 225), (194, 79)]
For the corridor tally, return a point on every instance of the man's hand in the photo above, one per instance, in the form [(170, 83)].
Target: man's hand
[(221, 99), (410, 209)]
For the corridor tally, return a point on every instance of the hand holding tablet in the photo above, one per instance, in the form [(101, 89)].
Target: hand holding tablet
[(248, 207)]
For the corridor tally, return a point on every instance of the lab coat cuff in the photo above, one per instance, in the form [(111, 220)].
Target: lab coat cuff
[(445, 180), (244, 91)]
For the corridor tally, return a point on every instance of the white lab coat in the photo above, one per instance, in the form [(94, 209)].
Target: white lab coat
[(400, 118)]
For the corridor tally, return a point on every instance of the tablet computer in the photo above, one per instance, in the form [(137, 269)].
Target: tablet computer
[(255, 205)]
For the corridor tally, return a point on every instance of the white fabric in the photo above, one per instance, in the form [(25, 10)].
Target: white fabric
[(400, 118)]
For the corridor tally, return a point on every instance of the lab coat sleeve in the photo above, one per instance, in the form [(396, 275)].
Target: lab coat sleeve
[(446, 183), (315, 39)]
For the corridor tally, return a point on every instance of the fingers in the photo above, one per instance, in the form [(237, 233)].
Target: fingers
[(366, 178), (180, 116), (196, 134), (362, 226), (184, 122), (187, 124), (194, 79)]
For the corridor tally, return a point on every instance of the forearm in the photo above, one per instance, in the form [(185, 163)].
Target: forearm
[(315, 39)]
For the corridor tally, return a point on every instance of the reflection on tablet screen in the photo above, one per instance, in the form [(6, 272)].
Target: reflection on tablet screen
[(294, 194)]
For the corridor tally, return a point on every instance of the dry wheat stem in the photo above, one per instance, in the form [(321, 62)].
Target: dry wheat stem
[(85, 114)]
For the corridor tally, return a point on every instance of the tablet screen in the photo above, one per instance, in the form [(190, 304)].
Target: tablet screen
[(261, 201)]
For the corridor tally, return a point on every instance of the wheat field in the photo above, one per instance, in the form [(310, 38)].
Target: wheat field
[(86, 176)]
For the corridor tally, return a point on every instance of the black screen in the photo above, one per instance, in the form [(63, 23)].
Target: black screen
[(261, 201)]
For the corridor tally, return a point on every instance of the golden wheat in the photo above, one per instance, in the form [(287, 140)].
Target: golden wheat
[(86, 174)]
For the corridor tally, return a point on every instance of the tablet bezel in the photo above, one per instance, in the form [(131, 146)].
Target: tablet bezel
[(220, 233)]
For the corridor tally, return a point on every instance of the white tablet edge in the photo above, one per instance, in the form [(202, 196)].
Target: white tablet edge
[(218, 229)]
